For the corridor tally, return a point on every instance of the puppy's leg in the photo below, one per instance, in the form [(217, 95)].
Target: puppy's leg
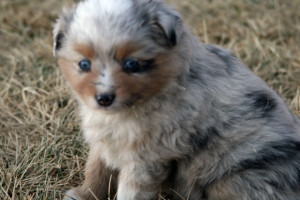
[(97, 180), (141, 181), (247, 186), (185, 182)]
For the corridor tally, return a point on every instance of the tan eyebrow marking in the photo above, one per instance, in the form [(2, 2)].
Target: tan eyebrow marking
[(127, 49), (85, 50)]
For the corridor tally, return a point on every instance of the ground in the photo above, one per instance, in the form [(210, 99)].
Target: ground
[(42, 153)]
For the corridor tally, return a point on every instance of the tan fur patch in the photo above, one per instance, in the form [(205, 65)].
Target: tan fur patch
[(82, 83), (85, 50), (99, 179), (135, 89), (126, 50)]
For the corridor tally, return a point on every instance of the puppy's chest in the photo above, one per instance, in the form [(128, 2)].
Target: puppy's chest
[(116, 155), (116, 141)]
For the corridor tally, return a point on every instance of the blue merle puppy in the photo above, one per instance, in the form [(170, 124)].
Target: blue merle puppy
[(163, 112)]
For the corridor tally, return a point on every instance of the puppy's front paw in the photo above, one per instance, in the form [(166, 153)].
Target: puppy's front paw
[(70, 195)]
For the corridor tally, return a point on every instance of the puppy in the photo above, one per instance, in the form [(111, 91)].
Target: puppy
[(164, 113)]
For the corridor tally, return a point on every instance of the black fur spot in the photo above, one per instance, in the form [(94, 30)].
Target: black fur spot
[(224, 55), (173, 38), (262, 101), (193, 74), (298, 175), (212, 131), (201, 140), (59, 41), (276, 153)]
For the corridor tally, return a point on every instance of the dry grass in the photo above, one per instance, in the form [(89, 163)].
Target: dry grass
[(41, 150)]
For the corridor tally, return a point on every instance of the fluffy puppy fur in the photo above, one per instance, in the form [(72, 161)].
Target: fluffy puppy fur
[(163, 112)]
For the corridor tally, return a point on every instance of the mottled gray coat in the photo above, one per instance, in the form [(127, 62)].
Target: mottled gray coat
[(199, 123)]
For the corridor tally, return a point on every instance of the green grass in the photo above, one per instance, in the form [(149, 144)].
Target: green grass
[(42, 153)]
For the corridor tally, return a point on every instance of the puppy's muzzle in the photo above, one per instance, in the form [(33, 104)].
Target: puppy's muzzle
[(106, 99)]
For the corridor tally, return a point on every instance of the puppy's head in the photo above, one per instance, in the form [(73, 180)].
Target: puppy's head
[(118, 54)]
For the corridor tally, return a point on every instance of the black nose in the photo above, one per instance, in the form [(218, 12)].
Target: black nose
[(105, 99)]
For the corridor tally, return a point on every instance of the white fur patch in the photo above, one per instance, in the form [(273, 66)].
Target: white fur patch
[(95, 20), (107, 82), (125, 192), (104, 126), (112, 133), (112, 6)]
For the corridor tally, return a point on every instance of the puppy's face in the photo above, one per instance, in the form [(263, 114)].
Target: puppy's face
[(116, 59)]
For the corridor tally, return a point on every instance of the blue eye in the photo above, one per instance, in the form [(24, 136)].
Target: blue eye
[(85, 65), (131, 65)]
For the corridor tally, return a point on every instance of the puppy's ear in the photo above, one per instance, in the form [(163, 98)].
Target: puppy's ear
[(171, 24), (61, 29)]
